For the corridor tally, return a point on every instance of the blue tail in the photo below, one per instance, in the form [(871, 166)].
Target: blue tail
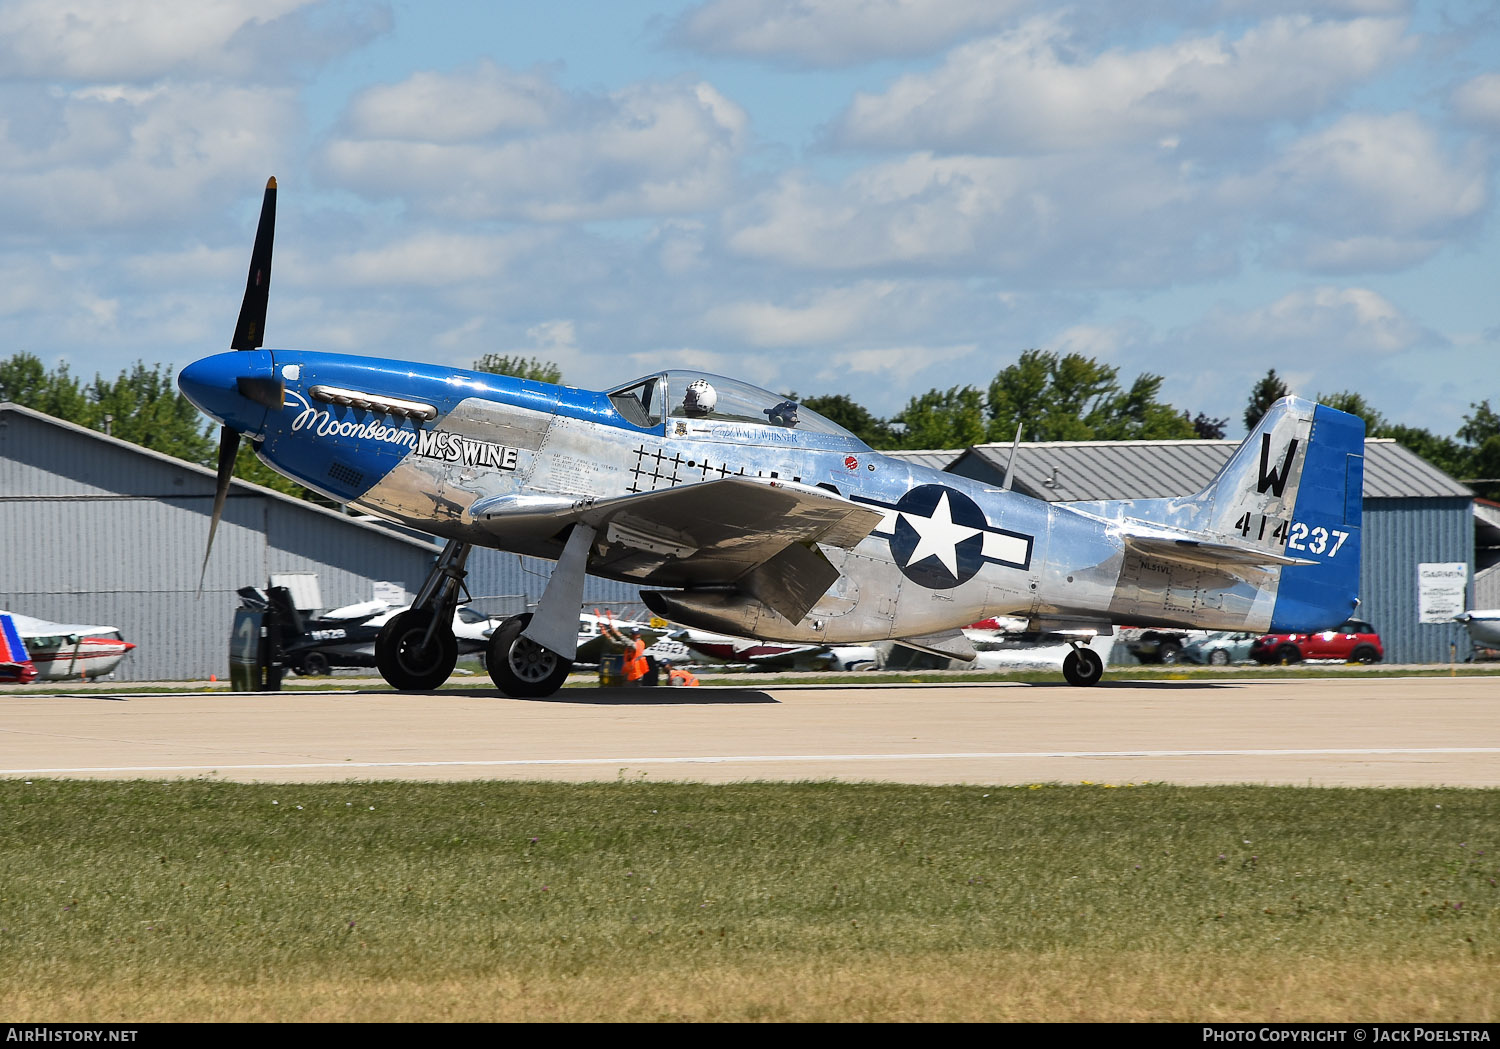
[(1324, 527)]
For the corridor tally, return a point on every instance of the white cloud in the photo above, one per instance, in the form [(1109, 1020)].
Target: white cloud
[(648, 149), (146, 39), (834, 32), (1048, 220), (431, 259), (433, 107), (1315, 324), (1025, 91), (1369, 192), (1477, 101), (91, 160), (829, 316)]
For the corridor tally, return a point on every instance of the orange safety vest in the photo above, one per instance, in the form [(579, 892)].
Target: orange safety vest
[(681, 677), (635, 661)]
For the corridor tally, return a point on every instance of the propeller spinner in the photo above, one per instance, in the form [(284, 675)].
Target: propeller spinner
[(249, 334)]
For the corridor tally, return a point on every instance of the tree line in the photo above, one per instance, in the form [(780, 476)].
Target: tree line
[(1049, 396)]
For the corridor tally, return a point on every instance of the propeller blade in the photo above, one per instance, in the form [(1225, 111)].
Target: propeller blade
[(229, 446), (249, 333)]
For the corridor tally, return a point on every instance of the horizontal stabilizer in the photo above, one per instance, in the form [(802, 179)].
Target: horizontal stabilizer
[(1205, 552)]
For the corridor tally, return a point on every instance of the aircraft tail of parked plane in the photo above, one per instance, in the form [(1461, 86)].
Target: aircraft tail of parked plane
[(747, 514)]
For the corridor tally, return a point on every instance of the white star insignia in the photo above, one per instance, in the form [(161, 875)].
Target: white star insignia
[(938, 536)]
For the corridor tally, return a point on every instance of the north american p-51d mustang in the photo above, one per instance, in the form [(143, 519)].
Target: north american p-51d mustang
[(751, 515)]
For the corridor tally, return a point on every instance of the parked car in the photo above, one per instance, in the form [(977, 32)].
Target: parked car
[(1154, 646), (1219, 649), (1353, 641)]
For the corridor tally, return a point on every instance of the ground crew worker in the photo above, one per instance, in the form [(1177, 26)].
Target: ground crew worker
[(679, 676), (635, 667)]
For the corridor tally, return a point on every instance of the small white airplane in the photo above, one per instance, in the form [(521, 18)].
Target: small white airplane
[(711, 647), (65, 651), (755, 517), (1484, 626)]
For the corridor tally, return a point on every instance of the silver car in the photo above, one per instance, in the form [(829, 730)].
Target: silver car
[(1220, 649)]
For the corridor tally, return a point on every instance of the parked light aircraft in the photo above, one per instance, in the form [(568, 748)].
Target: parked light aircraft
[(754, 516), (1484, 626)]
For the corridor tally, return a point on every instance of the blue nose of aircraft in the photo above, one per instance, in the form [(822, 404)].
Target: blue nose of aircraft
[(219, 385)]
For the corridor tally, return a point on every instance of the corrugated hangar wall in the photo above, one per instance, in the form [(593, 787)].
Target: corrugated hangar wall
[(97, 531), (1399, 535)]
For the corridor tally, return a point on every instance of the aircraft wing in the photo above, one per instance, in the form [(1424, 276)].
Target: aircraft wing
[(756, 533)]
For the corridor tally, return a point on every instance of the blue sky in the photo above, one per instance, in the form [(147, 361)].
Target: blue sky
[(871, 197)]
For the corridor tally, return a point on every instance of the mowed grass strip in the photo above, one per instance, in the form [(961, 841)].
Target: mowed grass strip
[(195, 900)]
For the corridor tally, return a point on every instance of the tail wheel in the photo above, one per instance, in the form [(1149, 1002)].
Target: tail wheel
[(407, 659), (313, 664), (1288, 654), (1083, 667), (1364, 654), (519, 666)]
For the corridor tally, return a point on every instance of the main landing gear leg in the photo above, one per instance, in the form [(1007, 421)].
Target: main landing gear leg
[(1083, 665), (416, 650), (529, 656)]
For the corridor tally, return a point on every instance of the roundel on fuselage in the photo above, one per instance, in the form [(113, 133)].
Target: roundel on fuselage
[(939, 537)]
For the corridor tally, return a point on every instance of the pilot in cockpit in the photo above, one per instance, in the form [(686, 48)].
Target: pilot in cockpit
[(699, 398), (783, 413)]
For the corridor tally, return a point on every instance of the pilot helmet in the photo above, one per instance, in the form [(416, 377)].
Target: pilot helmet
[(700, 397)]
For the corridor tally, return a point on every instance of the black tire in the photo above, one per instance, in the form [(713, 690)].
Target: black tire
[(520, 667), (1083, 667), (1286, 655), (313, 664), (1365, 654), (1170, 653), (403, 661), (1219, 658)]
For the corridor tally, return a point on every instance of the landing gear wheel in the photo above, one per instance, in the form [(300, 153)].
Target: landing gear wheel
[(1083, 667), (519, 666), (314, 664), (403, 660)]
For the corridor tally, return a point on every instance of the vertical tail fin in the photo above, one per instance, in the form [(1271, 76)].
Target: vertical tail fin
[(1296, 487)]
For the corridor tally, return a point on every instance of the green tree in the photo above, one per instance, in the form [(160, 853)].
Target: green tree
[(943, 419), (1355, 404), (144, 407), (1481, 432), (1267, 392), (1078, 398), (520, 367), (25, 380)]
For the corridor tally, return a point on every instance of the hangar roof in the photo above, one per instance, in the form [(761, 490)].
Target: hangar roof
[(1072, 471)]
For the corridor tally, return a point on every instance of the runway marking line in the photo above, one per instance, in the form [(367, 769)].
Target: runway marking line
[(769, 758)]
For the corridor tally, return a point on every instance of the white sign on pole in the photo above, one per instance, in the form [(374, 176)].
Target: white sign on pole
[(391, 593), (1440, 591)]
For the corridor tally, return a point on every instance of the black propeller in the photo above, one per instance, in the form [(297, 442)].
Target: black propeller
[(249, 334)]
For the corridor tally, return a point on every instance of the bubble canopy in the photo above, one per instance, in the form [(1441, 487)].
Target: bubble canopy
[(646, 402)]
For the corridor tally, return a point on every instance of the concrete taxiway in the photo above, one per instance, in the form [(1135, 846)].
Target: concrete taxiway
[(1358, 731)]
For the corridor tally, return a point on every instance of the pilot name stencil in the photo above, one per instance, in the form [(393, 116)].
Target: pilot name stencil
[(456, 448)]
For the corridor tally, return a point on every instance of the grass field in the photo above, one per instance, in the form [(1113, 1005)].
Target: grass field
[(193, 900)]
